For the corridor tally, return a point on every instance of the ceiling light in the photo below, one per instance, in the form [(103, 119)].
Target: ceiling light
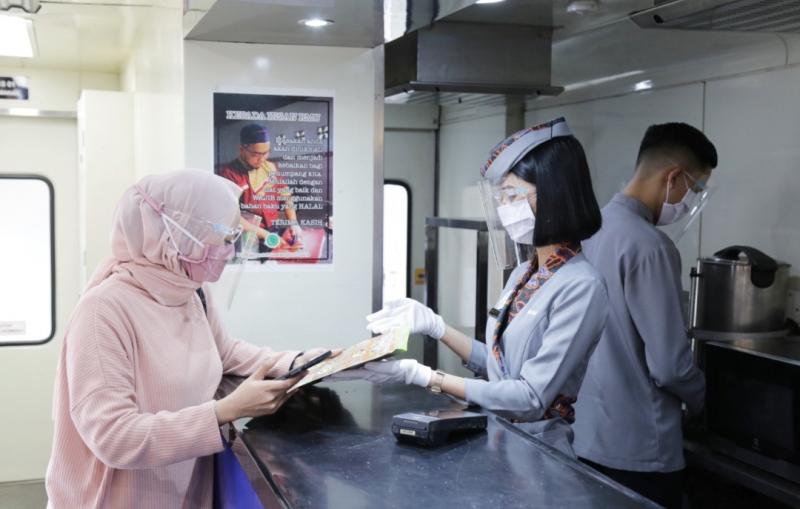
[(262, 63), (643, 85), (316, 22), (582, 6), (16, 37), (489, 1)]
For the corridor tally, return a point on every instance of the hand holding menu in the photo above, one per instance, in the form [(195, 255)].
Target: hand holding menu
[(372, 349)]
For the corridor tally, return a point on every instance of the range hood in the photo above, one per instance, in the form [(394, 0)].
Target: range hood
[(778, 16), (474, 58)]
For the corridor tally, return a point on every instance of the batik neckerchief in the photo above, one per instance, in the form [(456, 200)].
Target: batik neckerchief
[(555, 261), (530, 283)]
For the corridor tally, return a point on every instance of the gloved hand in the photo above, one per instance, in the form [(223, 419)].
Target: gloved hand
[(406, 313), (406, 371)]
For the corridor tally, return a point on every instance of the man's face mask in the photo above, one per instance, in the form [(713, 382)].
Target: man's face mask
[(673, 212)]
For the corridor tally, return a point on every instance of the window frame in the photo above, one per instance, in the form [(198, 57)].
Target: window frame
[(49, 183), (409, 228)]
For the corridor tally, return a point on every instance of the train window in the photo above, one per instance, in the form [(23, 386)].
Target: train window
[(27, 260), (396, 239)]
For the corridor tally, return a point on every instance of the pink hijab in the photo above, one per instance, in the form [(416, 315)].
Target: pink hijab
[(140, 244)]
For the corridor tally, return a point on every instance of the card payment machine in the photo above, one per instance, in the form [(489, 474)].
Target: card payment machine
[(435, 427)]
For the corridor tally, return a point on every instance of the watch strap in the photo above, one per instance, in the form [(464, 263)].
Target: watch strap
[(437, 379)]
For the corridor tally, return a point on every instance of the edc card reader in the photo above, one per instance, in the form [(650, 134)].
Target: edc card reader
[(435, 427)]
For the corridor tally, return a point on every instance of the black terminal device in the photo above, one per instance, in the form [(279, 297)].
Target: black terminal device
[(435, 427)]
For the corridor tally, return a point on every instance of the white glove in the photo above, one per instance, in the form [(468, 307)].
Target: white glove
[(404, 371), (406, 313)]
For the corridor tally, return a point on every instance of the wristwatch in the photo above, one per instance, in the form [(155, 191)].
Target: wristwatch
[(437, 379)]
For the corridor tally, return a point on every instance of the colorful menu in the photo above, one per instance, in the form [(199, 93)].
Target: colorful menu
[(372, 349)]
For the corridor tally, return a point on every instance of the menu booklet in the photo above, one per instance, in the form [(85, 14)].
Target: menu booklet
[(372, 349)]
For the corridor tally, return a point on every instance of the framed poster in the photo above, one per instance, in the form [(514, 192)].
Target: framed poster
[(278, 150)]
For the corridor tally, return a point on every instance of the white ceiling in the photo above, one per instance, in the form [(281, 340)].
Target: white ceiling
[(88, 36)]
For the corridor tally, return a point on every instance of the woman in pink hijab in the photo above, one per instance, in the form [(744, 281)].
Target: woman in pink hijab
[(135, 419)]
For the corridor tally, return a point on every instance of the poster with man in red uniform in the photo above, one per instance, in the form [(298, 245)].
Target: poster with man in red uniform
[(278, 150)]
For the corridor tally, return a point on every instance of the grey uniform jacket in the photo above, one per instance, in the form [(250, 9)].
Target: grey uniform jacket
[(546, 347), (628, 414)]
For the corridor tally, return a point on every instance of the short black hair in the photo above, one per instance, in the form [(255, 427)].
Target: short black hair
[(676, 139), (566, 208)]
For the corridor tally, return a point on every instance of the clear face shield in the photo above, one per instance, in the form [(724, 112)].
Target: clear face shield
[(692, 205), (185, 233), (509, 217), (510, 222), (203, 247), (193, 238)]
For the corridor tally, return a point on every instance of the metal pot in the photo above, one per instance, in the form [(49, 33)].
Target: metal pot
[(739, 289)]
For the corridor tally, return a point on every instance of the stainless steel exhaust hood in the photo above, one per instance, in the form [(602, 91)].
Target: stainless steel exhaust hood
[(466, 57), (778, 16)]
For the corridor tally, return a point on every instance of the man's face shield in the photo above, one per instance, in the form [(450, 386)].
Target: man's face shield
[(508, 212), (698, 194)]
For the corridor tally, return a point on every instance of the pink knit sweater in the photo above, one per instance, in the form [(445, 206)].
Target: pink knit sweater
[(134, 417), (133, 410)]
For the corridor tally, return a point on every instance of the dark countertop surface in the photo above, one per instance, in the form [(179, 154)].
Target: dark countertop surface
[(331, 447)]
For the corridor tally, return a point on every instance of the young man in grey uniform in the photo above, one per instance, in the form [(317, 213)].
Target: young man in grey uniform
[(628, 414)]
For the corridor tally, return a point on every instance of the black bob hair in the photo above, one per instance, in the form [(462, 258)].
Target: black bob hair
[(566, 208), (678, 137)]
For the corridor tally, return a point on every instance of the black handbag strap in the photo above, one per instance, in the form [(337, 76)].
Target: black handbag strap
[(202, 296)]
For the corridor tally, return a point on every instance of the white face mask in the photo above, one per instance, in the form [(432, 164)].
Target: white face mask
[(518, 220), (672, 212)]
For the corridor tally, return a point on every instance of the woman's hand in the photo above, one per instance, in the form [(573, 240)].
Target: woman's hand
[(255, 396), (407, 313)]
